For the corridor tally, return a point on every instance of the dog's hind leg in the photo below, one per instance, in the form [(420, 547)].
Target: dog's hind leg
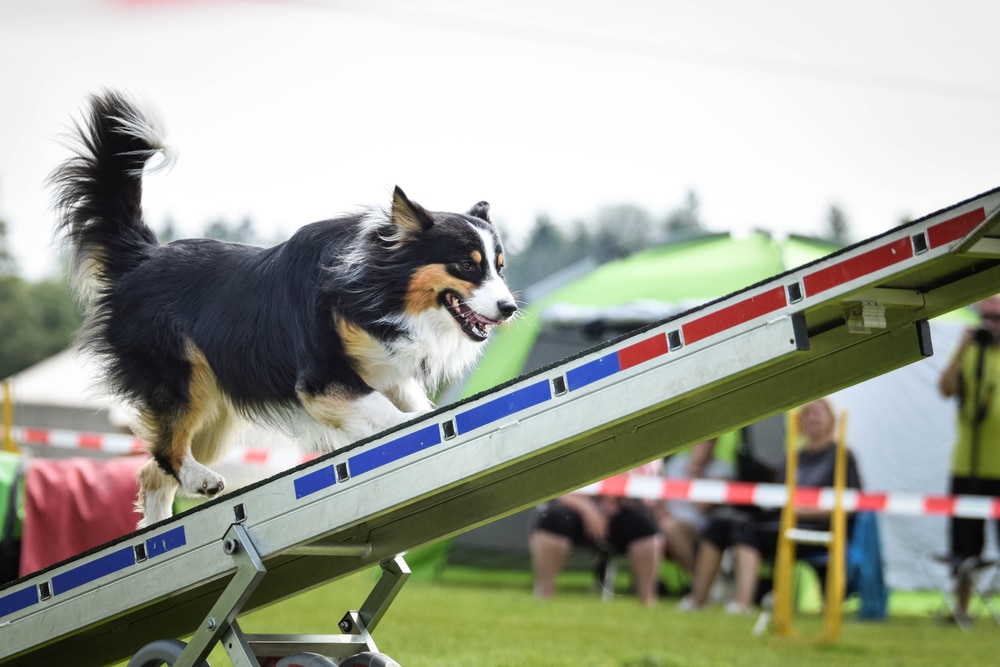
[(174, 469), (203, 425), (200, 422), (156, 494)]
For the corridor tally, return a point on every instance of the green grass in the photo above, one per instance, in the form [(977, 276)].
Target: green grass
[(481, 619)]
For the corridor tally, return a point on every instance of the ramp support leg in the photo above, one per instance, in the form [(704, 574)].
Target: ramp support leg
[(395, 572), (221, 619), (355, 643), (354, 647)]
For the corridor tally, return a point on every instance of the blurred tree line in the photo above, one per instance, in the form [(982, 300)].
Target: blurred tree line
[(38, 319), (617, 231)]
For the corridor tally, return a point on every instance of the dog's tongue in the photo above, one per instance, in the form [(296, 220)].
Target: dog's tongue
[(472, 317)]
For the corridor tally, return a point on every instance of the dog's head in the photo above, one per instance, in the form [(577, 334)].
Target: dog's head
[(457, 262)]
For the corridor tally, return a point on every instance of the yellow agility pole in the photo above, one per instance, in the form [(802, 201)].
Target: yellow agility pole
[(784, 562), (836, 575), (8, 418)]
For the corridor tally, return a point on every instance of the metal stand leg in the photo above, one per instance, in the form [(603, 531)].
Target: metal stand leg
[(354, 647), (221, 618), (356, 626), (984, 585), (981, 576)]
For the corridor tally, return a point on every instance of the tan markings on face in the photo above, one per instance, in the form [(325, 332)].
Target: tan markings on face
[(499, 261), (331, 407), (477, 257), (427, 283)]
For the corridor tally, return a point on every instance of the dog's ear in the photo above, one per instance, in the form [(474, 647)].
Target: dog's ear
[(481, 211), (409, 216)]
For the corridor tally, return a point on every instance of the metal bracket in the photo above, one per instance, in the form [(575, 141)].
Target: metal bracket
[(864, 316)]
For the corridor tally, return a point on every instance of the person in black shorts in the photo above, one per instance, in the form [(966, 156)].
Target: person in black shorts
[(609, 525)]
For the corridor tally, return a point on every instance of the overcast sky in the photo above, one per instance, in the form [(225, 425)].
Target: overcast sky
[(289, 112)]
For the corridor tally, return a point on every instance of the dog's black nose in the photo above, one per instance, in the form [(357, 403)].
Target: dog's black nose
[(506, 308)]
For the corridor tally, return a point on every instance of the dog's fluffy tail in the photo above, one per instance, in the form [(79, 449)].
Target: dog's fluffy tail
[(98, 191)]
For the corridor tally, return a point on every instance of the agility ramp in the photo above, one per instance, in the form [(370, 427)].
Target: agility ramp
[(777, 344)]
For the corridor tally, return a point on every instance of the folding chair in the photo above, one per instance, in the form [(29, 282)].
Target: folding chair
[(983, 574)]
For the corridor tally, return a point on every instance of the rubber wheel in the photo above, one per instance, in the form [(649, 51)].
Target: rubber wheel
[(159, 653), (305, 660), (368, 659)]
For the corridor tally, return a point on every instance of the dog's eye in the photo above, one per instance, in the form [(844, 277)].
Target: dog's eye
[(466, 265)]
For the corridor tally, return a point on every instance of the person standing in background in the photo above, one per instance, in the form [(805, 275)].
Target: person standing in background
[(972, 375)]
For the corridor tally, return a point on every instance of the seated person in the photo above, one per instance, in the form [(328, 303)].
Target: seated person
[(753, 533), (619, 525), (681, 521)]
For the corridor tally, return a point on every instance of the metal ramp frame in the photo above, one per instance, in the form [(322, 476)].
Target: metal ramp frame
[(850, 316)]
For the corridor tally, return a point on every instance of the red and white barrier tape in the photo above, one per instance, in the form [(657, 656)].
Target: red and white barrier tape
[(631, 486), (774, 495), (119, 443), (108, 443)]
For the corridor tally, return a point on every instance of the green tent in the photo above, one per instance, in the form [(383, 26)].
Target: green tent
[(644, 287)]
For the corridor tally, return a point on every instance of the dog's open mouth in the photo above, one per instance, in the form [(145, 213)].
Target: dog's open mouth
[(473, 324)]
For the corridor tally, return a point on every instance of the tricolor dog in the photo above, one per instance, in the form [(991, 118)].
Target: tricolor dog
[(338, 333)]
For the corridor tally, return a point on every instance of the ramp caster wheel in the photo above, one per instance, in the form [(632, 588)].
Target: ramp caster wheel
[(368, 659), (303, 660), (161, 652)]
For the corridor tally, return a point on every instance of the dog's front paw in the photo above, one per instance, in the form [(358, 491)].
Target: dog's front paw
[(213, 487), (196, 479)]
